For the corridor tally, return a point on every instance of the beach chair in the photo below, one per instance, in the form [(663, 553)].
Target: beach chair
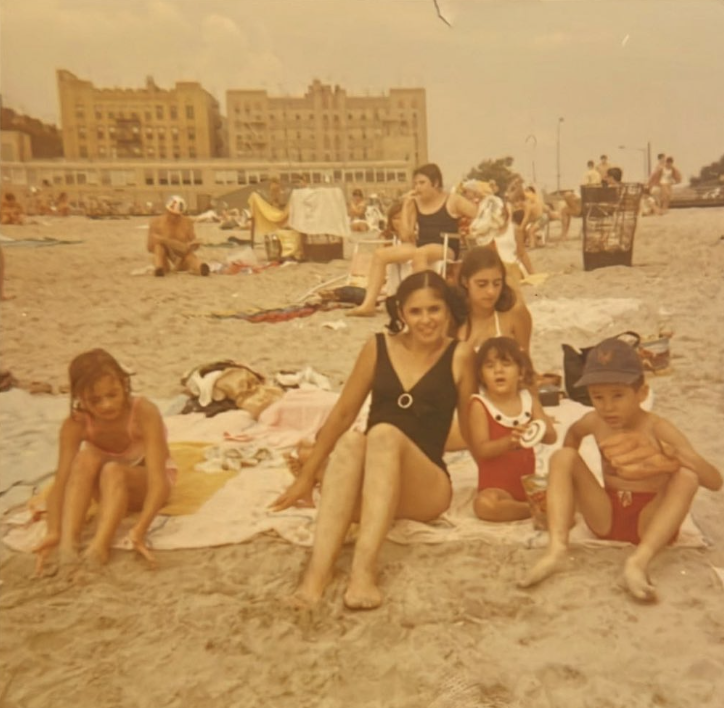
[(609, 215)]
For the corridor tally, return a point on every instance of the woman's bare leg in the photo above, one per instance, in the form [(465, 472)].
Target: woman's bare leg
[(340, 495), (376, 278), (400, 481)]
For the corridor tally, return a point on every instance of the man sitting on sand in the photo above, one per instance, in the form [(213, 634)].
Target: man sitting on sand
[(11, 211), (172, 241), (651, 473)]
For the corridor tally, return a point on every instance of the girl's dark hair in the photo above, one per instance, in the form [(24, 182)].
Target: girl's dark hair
[(480, 258), (418, 281), (432, 172), (509, 350), (90, 367)]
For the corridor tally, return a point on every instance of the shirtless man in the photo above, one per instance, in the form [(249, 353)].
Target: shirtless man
[(172, 241)]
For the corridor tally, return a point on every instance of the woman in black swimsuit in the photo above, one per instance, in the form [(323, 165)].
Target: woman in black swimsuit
[(418, 376), (428, 212)]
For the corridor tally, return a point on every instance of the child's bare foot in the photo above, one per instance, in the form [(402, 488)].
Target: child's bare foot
[(362, 592), (96, 556), (360, 312), (550, 563), (637, 582), (309, 592)]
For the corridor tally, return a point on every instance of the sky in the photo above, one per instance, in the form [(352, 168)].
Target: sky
[(519, 78)]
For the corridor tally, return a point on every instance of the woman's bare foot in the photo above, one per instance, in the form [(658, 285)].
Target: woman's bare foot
[(362, 592), (637, 582), (550, 563)]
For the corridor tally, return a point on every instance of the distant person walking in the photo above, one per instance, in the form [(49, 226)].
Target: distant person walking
[(603, 167), (593, 176), (665, 177)]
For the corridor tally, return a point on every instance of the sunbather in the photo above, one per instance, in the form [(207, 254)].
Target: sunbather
[(428, 212), (417, 375), (172, 241)]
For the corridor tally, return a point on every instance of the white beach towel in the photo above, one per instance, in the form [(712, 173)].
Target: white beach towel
[(238, 511)]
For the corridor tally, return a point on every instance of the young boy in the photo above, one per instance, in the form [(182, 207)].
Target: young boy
[(650, 471)]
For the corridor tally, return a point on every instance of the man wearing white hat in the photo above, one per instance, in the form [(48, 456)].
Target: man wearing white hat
[(172, 241)]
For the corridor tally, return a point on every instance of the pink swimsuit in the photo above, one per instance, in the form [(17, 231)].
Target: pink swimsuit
[(135, 453)]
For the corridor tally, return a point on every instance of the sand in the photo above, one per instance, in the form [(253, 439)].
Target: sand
[(207, 628)]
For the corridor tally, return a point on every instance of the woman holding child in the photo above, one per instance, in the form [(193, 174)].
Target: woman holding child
[(428, 212), (418, 375)]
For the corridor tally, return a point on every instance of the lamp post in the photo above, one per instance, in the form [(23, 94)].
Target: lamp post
[(535, 144), (558, 155), (646, 152)]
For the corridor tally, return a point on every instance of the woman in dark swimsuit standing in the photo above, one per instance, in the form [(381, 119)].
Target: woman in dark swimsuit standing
[(428, 212), (418, 375)]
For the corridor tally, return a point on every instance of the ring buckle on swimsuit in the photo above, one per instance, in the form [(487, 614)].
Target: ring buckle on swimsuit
[(404, 400)]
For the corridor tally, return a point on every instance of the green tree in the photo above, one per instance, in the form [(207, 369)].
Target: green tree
[(710, 174), (499, 170)]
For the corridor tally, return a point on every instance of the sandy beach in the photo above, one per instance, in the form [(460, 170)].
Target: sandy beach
[(207, 627)]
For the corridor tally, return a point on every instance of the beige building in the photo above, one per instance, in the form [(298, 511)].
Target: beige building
[(149, 123), (328, 125), (15, 146)]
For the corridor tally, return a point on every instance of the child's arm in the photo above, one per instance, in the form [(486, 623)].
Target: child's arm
[(156, 455), (71, 436), (676, 445), (539, 414), (582, 427), (480, 444)]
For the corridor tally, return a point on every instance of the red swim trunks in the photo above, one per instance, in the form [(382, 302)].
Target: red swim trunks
[(626, 507)]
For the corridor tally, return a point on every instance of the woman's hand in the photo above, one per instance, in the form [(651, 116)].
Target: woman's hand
[(636, 456), (299, 491), (50, 541)]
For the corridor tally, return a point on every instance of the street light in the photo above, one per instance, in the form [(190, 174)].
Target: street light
[(558, 155), (646, 152)]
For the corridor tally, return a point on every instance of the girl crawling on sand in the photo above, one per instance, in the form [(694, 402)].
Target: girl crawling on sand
[(112, 448)]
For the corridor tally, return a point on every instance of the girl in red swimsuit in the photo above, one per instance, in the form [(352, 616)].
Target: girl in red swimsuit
[(112, 447), (498, 419)]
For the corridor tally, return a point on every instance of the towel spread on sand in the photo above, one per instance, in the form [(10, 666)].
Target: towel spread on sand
[(236, 510)]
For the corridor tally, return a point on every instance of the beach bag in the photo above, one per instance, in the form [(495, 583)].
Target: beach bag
[(574, 361)]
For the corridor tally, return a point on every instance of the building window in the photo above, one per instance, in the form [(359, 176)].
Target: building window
[(148, 176), (189, 112), (148, 115), (401, 177), (150, 151), (83, 151), (174, 134), (159, 112), (149, 133), (82, 132), (198, 178), (101, 151), (192, 152), (101, 132), (163, 176), (161, 132), (162, 152), (191, 132), (98, 113), (349, 176), (173, 113)]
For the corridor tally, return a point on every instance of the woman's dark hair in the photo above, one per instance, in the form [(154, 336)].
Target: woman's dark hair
[(432, 172), (480, 258), (419, 281), (507, 349), (394, 210), (90, 367)]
